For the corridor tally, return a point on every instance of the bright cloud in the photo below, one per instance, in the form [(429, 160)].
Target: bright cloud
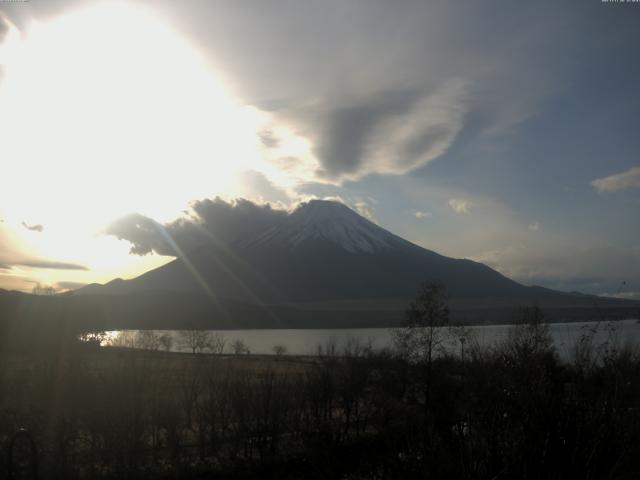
[(619, 181), (422, 215), (364, 209), (460, 205)]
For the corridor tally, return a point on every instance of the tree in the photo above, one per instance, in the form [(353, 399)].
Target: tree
[(217, 343), (239, 347), (530, 336), (279, 350), (166, 341), (148, 340), (94, 338), (461, 336), (124, 339), (423, 333), (195, 340), (44, 290)]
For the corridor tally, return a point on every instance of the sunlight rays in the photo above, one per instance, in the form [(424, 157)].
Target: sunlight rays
[(106, 111)]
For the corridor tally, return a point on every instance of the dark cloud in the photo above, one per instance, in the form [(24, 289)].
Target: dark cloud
[(391, 132), (268, 139), (213, 221), (346, 131), (351, 63), (33, 228), (360, 74), (145, 234)]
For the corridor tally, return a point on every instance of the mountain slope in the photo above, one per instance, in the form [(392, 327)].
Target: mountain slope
[(323, 265), (330, 222), (323, 251)]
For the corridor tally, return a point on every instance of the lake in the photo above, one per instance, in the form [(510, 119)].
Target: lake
[(306, 341)]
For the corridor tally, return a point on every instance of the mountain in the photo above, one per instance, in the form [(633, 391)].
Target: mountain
[(323, 251), (322, 265)]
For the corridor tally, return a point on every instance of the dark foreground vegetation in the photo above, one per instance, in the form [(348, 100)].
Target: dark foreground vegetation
[(513, 411)]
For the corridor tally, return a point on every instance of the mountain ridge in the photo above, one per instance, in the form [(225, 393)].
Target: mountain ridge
[(322, 252), (323, 266)]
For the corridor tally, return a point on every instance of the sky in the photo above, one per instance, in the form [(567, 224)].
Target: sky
[(504, 132)]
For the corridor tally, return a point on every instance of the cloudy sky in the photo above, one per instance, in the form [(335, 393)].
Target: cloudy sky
[(505, 132)]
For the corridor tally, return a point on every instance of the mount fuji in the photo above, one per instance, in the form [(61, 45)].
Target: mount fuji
[(323, 265)]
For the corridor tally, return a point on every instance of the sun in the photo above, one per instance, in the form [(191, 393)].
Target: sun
[(106, 111)]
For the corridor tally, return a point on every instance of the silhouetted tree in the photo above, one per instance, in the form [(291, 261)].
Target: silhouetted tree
[(195, 340), (93, 338), (423, 333), (279, 350), (239, 347), (217, 342), (148, 340), (166, 341), (45, 290)]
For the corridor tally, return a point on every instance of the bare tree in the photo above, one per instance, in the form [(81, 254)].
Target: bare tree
[(148, 340), (124, 338), (423, 332), (93, 338), (279, 350), (531, 335), (217, 342), (166, 341), (195, 340), (239, 347), (462, 337), (45, 290)]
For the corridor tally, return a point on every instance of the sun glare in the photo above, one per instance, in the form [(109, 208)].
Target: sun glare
[(107, 110)]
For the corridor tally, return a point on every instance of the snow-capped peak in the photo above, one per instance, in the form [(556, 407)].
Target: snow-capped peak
[(329, 221)]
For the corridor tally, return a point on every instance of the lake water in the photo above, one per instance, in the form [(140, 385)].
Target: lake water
[(306, 341)]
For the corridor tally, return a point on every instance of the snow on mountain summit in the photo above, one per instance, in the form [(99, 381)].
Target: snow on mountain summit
[(329, 221)]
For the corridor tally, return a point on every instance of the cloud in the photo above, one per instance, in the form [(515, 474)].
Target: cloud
[(48, 264), (33, 228), (534, 227), (391, 132), (624, 295), (460, 205), (596, 270), (269, 139), (619, 181), (209, 222), (364, 209), (8, 36), (9, 263), (145, 234), (214, 221), (422, 215), (256, 185)]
